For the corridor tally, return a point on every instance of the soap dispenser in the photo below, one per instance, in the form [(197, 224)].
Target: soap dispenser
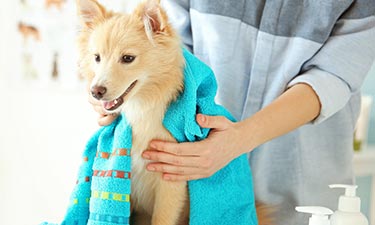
[(349, 208), (319, 214)]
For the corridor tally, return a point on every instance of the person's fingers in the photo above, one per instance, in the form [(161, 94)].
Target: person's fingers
[(105, 120), (216, 122), (163, 157), (172, 169), (176, 177), (182, 149)]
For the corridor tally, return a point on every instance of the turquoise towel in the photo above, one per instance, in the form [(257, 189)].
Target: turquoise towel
[(102, 193)]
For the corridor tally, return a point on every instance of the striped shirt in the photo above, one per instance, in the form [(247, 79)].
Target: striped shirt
[(259, 48)]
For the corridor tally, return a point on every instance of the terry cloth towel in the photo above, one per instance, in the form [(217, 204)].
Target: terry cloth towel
[(102, 193)]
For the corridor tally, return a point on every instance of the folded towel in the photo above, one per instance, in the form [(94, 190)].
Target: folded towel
[(102, 193)]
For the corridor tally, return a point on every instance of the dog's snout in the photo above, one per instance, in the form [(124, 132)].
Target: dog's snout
[(98, 92)]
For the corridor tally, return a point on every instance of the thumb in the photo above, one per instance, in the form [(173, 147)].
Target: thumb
[(216, 122)]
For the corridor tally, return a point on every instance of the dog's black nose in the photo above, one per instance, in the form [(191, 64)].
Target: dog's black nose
[(98, 92)]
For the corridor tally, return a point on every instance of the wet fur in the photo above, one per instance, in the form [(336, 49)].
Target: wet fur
[(158, 67)]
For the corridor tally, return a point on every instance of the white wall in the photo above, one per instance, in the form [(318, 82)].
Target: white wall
[(44, 128), (44, 131)]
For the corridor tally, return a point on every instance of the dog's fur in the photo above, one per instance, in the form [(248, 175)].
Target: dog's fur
[(158, 71), (157, 67)]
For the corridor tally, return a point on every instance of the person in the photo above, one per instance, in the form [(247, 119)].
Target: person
[(290, 72)]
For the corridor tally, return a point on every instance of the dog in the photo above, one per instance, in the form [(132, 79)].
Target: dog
[(29, 31), (134, 64), (57, 3)]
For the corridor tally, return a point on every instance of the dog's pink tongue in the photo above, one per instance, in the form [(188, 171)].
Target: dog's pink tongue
[(109, 105)]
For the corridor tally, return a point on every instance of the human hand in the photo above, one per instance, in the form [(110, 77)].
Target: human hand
[(195, 160), (104, 118)]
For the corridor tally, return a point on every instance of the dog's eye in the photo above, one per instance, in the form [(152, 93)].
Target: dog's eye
[(97, 58), (127, 59)]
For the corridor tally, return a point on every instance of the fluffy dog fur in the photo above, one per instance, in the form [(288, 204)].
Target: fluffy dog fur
[(134, 64), (157, 69)]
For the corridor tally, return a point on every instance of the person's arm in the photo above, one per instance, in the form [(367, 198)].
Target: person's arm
[(326, 83), (227, 140)]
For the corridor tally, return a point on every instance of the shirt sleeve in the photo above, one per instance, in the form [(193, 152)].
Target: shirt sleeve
[(337, 71), (179, 16)]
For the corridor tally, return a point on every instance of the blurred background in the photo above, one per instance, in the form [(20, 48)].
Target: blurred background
[(46, 119)]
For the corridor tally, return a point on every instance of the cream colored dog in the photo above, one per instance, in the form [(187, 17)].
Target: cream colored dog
[(134, 64)]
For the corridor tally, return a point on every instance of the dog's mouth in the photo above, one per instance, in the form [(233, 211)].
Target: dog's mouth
[(114, 104)]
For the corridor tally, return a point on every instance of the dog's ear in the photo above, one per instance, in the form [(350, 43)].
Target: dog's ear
[(154, 18), (90, 12)]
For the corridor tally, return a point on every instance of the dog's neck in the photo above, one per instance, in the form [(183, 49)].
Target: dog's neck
[(140, 114), (149, 111), (146, 117)]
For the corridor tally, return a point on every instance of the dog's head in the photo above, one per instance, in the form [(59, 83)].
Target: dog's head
[(128, 57)]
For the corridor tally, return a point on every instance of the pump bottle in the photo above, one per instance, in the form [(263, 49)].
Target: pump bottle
[(349, 207), (319, 214)]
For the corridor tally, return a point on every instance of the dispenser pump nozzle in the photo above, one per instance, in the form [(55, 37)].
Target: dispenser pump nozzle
[(319, 214), (350, 190), (348, 202)]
